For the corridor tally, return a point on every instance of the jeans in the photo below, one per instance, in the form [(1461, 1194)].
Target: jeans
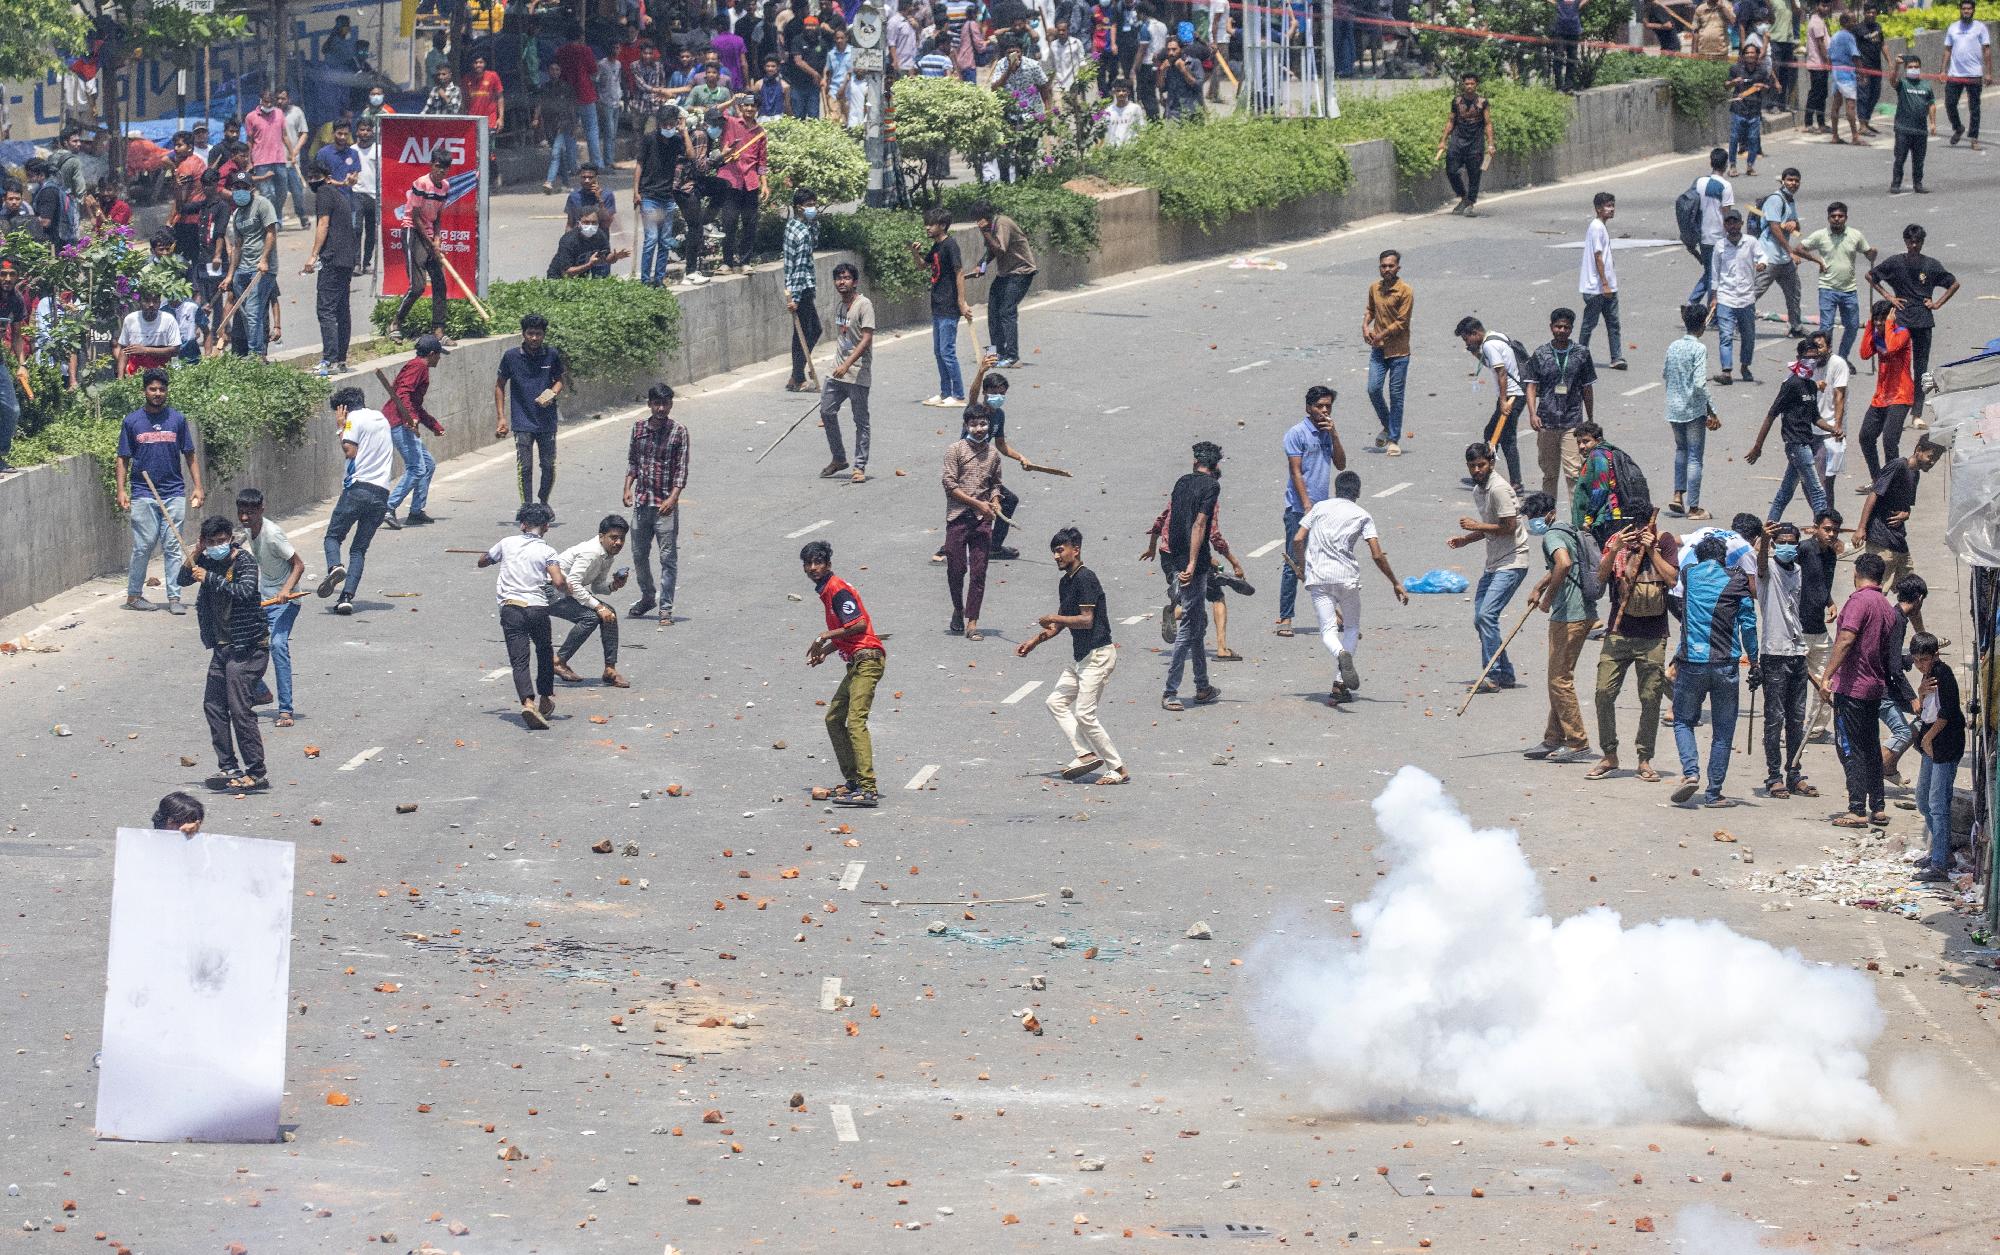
[(584, 621), (1074, 700), (335, 310), (1690, 440), (847, 720), (649, 526), (1190, 637), (280, 620), (1882, 423), (1503, 433), (10, 409), (1746, 135), (147, 532), (805, 103), (1785, 686), (1462, 170), (1003, 314), (1970, 89), (297, 184), (1912, 148), (1619, 654), (1566, 65), (593, 135), (270, 179), (1801, 470), (254, 309), (1385, 390), (832, 394), (944, 347), (968, 541), (1901, 734), (656, 220), (424, 272), (1495, 590), (1840, 306), (1868, 94), (1715, 683), (561, 145), (1786, 276), (232, 720), (418, 467), (1605, 306), (526, 445), (1734, 324), (806, 333), (1857, 738), (360, 508), (1699, 294), (522, 627), (1288, 579), (1934, 804)]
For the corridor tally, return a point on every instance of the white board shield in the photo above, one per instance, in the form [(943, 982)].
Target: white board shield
[(196, 989)]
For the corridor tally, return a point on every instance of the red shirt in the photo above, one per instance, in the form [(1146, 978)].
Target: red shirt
[(1893, 385), (843, 606), (413, 383), (482, 95), (575, 65)]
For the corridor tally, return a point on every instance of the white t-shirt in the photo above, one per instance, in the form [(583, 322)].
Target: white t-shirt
[(188, 315), (1597, 243), (1335, 529), (374, 455), (273, 551), (1733, 272), (1830, 376), (1494, 502), (1121, 123), (1496, 354), (524, 563), (295, 126), (1712, 205), (1739, 553), (1966, 43), (161, 333), (371, 169)]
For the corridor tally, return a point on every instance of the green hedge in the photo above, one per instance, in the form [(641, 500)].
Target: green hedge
[(1066, 221), (1697, 86), (607, 329), (1526, 121), (882, 237), (1209, 170), (1909, 21)]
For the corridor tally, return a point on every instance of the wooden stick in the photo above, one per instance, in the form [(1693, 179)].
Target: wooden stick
[(788, 431), (282, 598), (480, 551), (470, 293), (167, 525), (799, 334), (1526, 615), (1045, 470)]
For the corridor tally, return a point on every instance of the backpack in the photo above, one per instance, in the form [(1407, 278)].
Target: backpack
[(1588, 567), (1688, 215), (1635, 498)]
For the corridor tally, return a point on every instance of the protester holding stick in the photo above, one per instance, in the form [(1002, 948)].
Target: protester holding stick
[(153, 441)]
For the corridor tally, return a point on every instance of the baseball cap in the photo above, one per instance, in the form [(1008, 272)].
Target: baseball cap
[(428, 344)]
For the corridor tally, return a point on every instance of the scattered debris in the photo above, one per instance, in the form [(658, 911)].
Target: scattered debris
[(602, 846), (1200, 931), (406, 808)]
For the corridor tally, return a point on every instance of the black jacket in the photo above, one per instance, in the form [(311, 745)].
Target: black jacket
[(230, 605)]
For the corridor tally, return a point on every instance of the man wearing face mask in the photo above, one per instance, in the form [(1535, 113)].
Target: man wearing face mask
[(1782, 658), (264, 129), (584, 251), (252, 245), (238, 638), (378, 105), (1916, 122), (802, 283), (972, 502)]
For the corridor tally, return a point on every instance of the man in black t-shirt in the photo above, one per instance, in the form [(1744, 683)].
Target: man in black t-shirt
[(941, 262), (1885, 516), (1907, 281), (1082, 611), (336, 250), (661, 178), (1188, 526), (1819, 551)]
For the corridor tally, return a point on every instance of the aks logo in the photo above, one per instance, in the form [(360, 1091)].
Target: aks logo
[(417, 150)]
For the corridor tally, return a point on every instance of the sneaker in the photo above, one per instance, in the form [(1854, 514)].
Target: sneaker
[(1577, 754), (416, 518), (1743, 373), (1207, 695), (933, 401), (1236, 584), (1382, 436), (1003, 553), (331, 580), (533, 717), (1541, 751), (343, 606), (1619, 363), (641, 608), (1928, 875), (324, 369), (1350, 675), (174, 606), (391, 522)]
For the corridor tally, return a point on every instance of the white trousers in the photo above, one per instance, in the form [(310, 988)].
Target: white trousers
[(1339, 609), (1074, 704)]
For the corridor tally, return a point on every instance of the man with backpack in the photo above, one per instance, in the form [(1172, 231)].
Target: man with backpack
[(1638, 568), (1612, 492), (53, 206), (1777, 225), (1698, 215), (1569, 594)]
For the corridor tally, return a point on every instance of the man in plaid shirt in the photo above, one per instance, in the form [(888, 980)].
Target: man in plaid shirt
[(656, 470), (801, 282)]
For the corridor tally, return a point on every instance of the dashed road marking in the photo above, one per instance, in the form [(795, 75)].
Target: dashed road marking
[(1237, 370), (360, 758), (829, 993), (1020, 693), (1130, 619), (852, 876), (1539, 282), (1117, 409), (923, 777), (809, 528), (843, 1122), (1261, 550), (1393, 489), (496, 673), (1671, 248), (1644, 387)]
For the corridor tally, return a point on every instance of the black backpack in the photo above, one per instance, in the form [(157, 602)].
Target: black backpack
[(1688, 215), (1588, 568), (1635, 498)]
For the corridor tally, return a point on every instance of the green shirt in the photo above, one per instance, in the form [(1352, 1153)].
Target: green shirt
[(1566, 604), (1914, 102), (1838, 252), (704, 96)]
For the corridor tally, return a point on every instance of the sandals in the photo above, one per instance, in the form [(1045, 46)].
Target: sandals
[(1649, 775), (1805, 789), (1850, 820), (1078, 770), (1172, 703), (1284, 629), (284, 719), (1122, 776), (1600, 772), (974, 634), (1776, 790), (1719, 803), (1231, 656), (1878, 820)]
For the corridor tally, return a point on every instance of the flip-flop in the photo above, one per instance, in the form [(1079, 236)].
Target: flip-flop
[(1878, 820), (284, 720), (1285, 631), (1231, 656), (1850, 820), (1123, 777), (1649, 775), (1719, 803), (1598, 773)]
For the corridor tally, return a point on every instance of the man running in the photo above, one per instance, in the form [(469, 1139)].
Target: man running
[(364, 438), (1194, 501), (1325, 545), (1081, 610), (531, 576), (851, 633)]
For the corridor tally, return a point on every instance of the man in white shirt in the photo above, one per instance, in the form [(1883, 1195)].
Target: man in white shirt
[(296, 130), (1598, 281), (1065, 58), (1325, 546), (531, 575), (587, 570), (1969, 70), (279, 570), (1732, 296), (368, 191), (1122, 119), (1503, 427), (187, 316), (1832, 375), (148, 337), (364, 498), (1716, 195)]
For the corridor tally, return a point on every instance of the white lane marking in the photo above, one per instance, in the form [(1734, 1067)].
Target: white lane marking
[(811, 528), (852, 876), (496, 673), (1393, 489), (1129, 620), (1263, 549), (1020, 693), (1116, 409), (1539, 282), (1671, 248), (1237, 370), (843, 1123), (923, 777), (360, 758), (829, 993), (1644, 387)]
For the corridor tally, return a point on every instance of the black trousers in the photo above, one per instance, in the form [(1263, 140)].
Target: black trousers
[(1867, 93), (232, 722), (1912, 147), (1920, 358), (1970, 89), (424, 272), (1503, 430), (806, 334), (1784, 716), (368, 212), (1816, 81), (1008, 503), (1858, 736), (526, 444), (583, 621), (694, 217), (1461, 167), (737, 217), (522, 627), (1883, 423), (1782, 55), (336, 311), (1003, 314)]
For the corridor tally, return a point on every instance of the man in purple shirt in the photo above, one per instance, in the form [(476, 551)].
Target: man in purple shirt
[(1855, 679), (729, 46), (152, 442)]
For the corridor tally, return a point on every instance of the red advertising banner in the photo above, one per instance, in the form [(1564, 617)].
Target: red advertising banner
[(406, 143)]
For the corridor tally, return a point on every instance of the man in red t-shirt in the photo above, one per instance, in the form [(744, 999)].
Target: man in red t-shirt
[(850, 631), (484, 95), (576, 66), (1855, 680)]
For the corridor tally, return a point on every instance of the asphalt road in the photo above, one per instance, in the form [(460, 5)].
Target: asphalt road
[(539, 999)]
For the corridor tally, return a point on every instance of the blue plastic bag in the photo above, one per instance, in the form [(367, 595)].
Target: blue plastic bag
[(1436, 581)]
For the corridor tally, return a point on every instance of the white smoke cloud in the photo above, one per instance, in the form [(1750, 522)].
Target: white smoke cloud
[(1462, 994), (1710, 1231)]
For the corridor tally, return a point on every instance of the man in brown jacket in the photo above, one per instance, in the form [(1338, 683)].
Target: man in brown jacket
[(1386, 327), (1013, 257), (971, 502)]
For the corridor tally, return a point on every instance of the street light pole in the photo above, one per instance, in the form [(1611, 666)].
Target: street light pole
[(868, 64)]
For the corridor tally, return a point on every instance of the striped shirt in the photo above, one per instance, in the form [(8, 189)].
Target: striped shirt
[(801, 237), (657, 460)]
